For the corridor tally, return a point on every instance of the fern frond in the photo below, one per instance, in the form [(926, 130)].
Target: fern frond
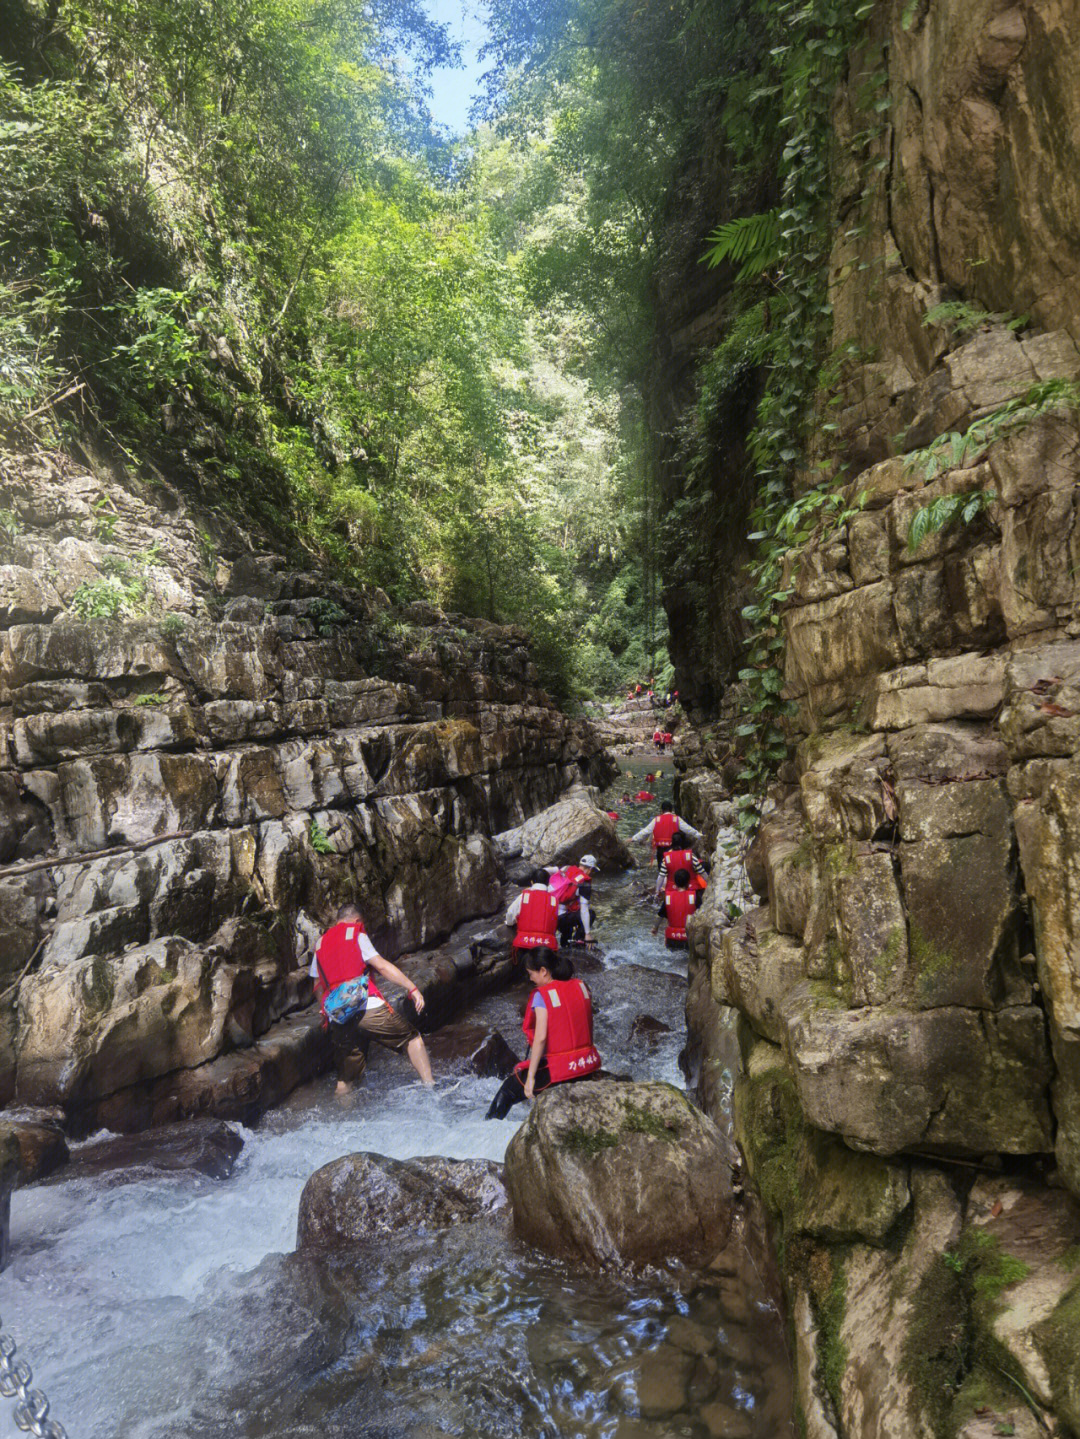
[(752, 241)]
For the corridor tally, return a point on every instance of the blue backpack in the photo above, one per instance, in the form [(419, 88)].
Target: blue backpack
[(347, 1000)]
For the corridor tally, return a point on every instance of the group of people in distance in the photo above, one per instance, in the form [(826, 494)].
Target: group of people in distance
[(662, 739), (680, 877), (552, 912)]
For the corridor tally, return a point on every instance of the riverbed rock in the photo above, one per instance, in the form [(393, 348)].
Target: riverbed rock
[(620, 1173), (43, 1148), (364, 1197), (471, 1047), (565, 831), (9, 1177), (199, 1147)]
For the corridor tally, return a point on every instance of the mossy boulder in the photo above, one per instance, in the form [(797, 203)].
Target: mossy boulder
[(620, 1173)]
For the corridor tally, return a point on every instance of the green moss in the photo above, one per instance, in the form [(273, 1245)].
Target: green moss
[(1070, 1259), (1058, 1339), (934, 1359), (640, 1121), (582, 1141), (930, 962), (889, 957), (825, 995), (770, 1129), (832, 1351), (840, 859)]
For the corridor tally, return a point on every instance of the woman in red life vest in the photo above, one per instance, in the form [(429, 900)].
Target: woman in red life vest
[(678, 858), (558, 1026)]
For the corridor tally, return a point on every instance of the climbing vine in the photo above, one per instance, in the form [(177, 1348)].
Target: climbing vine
[(796, 502)]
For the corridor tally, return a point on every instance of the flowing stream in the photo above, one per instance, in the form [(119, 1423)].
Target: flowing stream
[(173, 1308)]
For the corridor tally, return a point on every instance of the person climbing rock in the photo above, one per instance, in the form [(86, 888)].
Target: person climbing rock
[(662, 830), (679, 857), (345, 954), (572, 888), (534, 915), (558, 1025), (676, 907)]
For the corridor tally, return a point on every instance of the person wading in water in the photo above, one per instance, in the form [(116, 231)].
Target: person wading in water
[(558, 1025), (353, 1009)]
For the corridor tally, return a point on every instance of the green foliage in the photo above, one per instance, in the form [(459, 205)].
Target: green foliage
[(753, 242), (954, 451), (150, 700), (947, 510), (963, 318), (172, 625), (109, 598), (320, 840), (326, 615), (10, 523)]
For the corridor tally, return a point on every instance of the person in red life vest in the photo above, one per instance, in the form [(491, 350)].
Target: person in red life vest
[(643, 796), (678, 857), (345, 952), (534, 915), (572, 888), (558, 1025), (678, 904), (612, 814), (658, 740), (669, 739), (649, 778), (662, 831)]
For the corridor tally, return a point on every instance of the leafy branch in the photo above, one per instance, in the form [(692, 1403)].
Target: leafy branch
[(946, 510)]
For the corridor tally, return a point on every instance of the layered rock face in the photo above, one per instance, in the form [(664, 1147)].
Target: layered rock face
[(193, 781), (909, 990)]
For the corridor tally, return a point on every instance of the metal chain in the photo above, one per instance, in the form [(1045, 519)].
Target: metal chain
[(31, 1408)]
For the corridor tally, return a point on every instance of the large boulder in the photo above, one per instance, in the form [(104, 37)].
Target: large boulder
[(632, 1173), (565, 831), (367, 1196)]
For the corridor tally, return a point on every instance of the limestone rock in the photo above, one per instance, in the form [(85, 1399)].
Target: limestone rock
[(366, 1197), (26, 598), (42, 1146), (609, 1173), (945, 1080), (471, 1048), (754, 971), (575, 826)]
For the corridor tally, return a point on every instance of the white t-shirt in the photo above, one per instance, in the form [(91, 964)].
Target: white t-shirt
[(367, 949)]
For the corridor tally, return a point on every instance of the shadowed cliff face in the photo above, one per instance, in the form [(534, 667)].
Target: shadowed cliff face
[(909, 989), (250, 745)]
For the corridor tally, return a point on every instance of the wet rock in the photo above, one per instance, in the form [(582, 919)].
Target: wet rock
[(366, 1196), (43, 1148), (565, 831), (207, 1147), (9, 1177), (612, 1173), (471, 1048), (646, 1027)]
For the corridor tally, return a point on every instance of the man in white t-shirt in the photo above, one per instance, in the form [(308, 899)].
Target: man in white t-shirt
[(346, 952)]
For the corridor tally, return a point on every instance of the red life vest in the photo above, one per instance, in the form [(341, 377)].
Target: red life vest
[(643, 795), (569, 1050), (668, 737), (537, 921), (338, 957), (679, 905), (663, 830), (677, 859), (577, 877)]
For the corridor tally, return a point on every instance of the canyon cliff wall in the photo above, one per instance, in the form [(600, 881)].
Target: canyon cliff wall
[(192, 780), (909, 990)]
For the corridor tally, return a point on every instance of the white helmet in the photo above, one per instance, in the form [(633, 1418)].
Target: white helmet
[(588, 861)]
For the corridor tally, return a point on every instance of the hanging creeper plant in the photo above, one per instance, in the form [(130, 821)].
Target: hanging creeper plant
[(813, 42)]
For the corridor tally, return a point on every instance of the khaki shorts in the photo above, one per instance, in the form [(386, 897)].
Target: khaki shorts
[(350, 1041)]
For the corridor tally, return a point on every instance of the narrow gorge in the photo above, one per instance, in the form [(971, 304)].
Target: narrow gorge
[(375, 495)]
